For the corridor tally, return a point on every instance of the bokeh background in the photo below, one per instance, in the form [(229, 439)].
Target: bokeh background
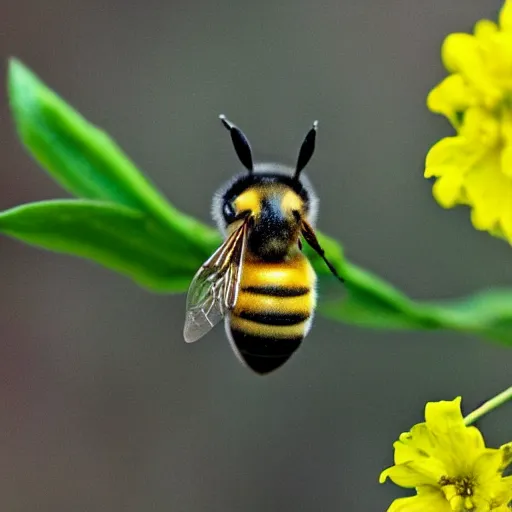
[(102, 405)]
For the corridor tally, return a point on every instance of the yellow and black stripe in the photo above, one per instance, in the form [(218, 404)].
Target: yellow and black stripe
[(273, 312)]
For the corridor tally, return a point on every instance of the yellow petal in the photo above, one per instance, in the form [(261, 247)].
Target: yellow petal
[(448, 190), (454, 158), (401, 475), (487, 465), (460, 51), (432, 501), (444, 416), (487, 219), (405, 453), (451, 96), (485, 182), (443, 154), (486, 189), (444, 420), (472, 57), (418, 440), (483, 219), (506, 452), (450, 156), (484, 29), (475, 438), (427, 471), (431, 470), (500, 493), (506, 16), (489, 191), (497, 55), (505, 495)]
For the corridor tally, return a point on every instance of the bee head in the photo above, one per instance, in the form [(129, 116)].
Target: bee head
[(276, 197)]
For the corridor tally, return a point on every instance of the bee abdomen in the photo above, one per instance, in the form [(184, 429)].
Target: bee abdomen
[(273, 311)]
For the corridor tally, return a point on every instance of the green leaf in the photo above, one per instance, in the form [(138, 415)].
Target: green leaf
[(370, 302), (80, 156), (486, 313), (120, 238)]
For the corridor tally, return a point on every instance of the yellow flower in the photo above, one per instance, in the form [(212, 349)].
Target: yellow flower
[(474, 167), (449, 465)]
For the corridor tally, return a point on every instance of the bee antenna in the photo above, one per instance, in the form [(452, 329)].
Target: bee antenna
[(240, 143), (306, 150)]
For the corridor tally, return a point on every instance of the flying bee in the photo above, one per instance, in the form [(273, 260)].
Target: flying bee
[(258, 280)]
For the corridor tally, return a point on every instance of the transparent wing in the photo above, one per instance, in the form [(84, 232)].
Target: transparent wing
[(214, 289)]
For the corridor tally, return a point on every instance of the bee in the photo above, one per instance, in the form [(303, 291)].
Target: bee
[(258, 280)]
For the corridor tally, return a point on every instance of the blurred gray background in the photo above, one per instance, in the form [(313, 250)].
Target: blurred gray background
[(102, 405)]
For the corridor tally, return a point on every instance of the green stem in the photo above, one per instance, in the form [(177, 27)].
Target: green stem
[(488, 406)]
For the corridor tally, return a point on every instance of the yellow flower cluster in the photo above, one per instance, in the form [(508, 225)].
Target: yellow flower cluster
[(475, 166), (449, 466)]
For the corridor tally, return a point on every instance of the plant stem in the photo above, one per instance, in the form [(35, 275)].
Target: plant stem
[(488, 406)]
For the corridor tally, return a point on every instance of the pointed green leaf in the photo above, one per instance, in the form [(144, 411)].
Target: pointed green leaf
[(372, 303), (486, 313), (80, 156), (118, 237)]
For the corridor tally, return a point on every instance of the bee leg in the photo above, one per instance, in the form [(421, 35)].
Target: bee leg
[(311, 239)]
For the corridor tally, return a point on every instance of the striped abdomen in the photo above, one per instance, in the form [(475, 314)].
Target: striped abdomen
[(273, 312)]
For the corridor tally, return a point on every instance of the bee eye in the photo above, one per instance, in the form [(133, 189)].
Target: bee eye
[(228, 211)]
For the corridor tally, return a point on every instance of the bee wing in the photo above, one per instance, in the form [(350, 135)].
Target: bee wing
[(214, 289)]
